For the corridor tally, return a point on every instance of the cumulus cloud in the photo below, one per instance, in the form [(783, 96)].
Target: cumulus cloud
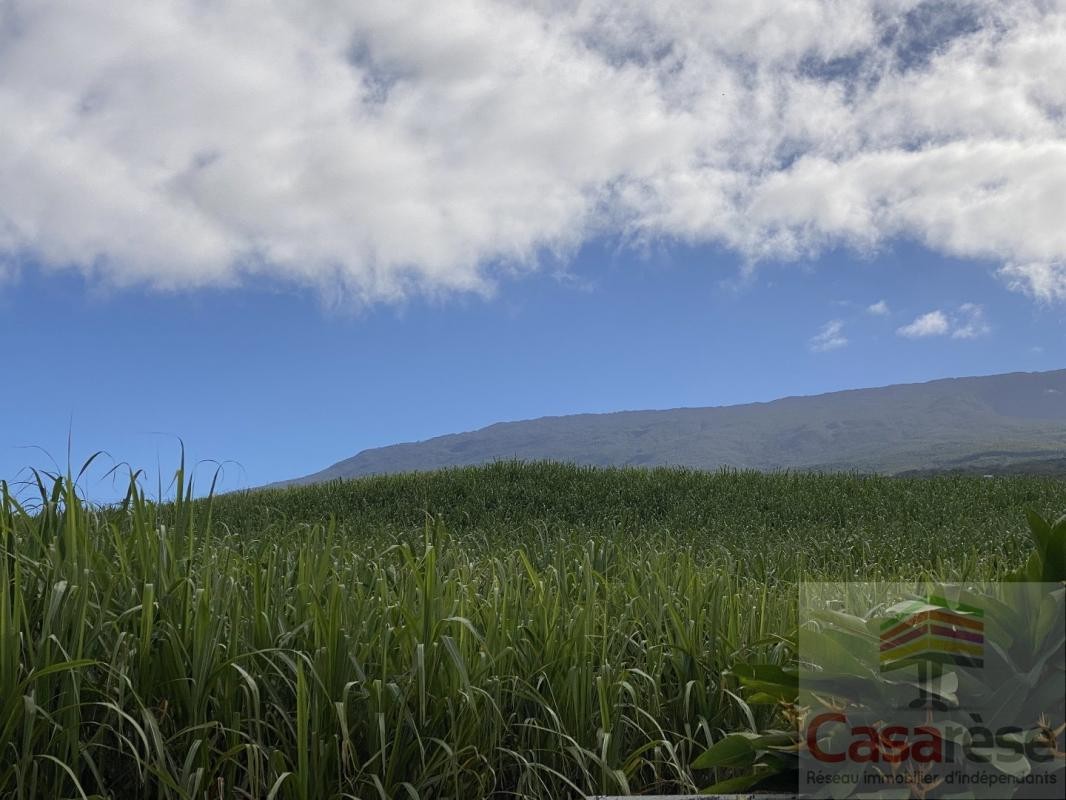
[(830, 337), (968, 322), (878, 309), (934, 323), (377, 149), (1044, 281)]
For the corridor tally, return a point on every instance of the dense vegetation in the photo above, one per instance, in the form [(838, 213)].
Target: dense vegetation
[(1049, 467), (531, 631), (837, 525)]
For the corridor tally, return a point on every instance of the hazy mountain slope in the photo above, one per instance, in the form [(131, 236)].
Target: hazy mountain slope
[(944, 424)]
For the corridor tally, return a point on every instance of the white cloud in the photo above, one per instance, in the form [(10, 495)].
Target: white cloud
[(1046, 282), (830, 337), (878, 309), (968, 322), (935, 323), (376, 149)]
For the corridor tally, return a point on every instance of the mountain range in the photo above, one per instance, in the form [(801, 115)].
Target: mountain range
[(995, 423)]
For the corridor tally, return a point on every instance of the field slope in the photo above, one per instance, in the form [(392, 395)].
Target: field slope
[(540, 631)]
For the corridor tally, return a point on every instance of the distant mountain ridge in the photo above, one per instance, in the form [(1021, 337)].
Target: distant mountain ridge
[(965, 424)]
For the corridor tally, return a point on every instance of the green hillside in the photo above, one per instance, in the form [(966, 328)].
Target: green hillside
[(797, 513)]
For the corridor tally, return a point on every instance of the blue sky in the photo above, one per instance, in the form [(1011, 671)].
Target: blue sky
[(290, 235), (279, 385)]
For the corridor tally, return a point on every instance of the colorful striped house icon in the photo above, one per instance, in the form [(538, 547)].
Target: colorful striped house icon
[(932, 632)]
